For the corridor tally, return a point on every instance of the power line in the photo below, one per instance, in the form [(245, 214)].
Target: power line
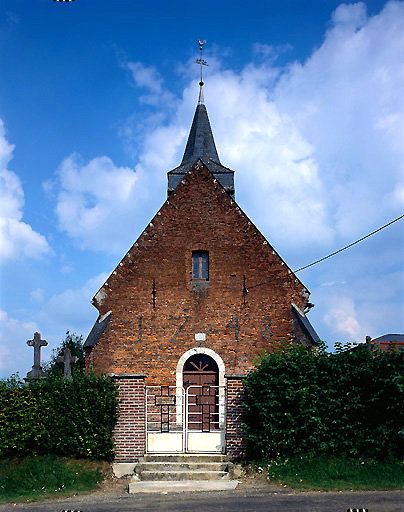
[(245, 290), (350, 245)]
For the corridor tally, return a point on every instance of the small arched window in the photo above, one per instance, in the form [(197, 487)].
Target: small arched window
[(200, 265)]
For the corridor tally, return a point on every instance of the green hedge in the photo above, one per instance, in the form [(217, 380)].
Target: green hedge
[(53, 416), (309, 402)]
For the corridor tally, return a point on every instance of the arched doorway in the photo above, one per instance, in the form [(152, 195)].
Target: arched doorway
[(190, 416), (201, 385), (200, 373)]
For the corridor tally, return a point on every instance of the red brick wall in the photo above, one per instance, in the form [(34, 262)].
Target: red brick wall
[(236, 441), (388, 345), (141, 338), (130, 431)]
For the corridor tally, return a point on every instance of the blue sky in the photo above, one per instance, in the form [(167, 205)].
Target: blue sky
[(96, 100)]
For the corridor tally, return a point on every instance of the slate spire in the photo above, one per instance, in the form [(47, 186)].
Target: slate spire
[(200, 140), (201, 146)]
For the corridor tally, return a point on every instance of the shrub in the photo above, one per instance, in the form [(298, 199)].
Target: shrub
[(54, 416), (311, 402)]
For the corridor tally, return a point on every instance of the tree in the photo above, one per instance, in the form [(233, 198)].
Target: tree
[(75, 344)]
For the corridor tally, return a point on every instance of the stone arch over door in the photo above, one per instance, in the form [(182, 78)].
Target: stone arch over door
[(219, 361), (200, 350)]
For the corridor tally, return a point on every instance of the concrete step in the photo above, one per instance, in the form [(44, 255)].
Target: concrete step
[(181, 466), (185, 458), (184, 486), (183, 475)]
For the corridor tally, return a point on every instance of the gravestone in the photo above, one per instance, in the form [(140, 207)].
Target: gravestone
[(67, 359), (37, 371)]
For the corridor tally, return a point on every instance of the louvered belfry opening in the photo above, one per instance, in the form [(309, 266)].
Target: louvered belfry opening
[(201, 380)]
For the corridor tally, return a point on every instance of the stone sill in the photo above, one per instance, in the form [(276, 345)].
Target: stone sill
[(128, 375)]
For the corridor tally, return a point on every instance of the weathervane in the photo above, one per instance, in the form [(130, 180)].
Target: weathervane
[(201, 62)]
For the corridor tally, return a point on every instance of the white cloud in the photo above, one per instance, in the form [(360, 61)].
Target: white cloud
[(14, 353), (148, 77), (319, 143), (17, 238), (69, 310), (270, 52), (333, 283), (273, 160), (360, 292), (72, 309), (96, 202), (347, 101), (342, 318), (6, 149), (350, 17), (367, 305), (38, 295)]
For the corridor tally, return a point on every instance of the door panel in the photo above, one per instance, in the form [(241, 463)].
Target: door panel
[(201, 376)]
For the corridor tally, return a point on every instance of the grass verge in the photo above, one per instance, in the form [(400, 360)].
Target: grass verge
[(37, 478), (334, 474)]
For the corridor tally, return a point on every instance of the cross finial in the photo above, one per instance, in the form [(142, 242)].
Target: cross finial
[(201, 62)]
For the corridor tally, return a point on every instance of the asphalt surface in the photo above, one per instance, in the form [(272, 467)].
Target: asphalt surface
[(252, 499)]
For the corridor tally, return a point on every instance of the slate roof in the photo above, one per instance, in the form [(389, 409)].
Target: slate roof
[(201, 145), (388, 338), (305, 324), (97, 330)]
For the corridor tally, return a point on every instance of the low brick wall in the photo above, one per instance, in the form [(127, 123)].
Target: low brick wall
[(236, 440), (130, 431)]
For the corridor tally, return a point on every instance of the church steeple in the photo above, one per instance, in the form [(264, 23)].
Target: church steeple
[(200, 140), (201, 146)]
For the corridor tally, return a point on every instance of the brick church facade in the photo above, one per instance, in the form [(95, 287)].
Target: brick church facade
[(193, 302)]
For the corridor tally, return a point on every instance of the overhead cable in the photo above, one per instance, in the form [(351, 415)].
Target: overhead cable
[(350, 245)]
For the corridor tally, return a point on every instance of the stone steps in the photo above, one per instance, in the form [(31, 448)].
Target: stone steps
[(178, 475), (156, 467), (182, 457), (162, 487), (181, 466)]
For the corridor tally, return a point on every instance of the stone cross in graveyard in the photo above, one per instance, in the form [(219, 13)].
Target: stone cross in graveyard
[(67, 359), (37, 343)]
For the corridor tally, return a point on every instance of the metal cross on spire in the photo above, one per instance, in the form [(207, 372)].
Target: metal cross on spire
[(201, 62)]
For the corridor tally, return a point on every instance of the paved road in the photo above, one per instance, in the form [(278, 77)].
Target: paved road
[(249, 499)]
